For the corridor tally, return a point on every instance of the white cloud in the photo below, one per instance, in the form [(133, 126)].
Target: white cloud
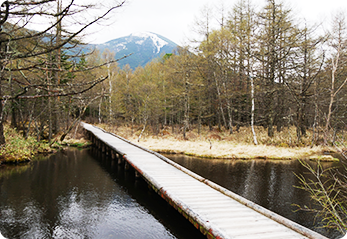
[(173, 19)]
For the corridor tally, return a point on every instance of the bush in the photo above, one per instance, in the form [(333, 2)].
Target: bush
[(328, 189), (19, 149)]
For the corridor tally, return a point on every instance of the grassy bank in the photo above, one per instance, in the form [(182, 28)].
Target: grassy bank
[(221, 144), (18, 149)]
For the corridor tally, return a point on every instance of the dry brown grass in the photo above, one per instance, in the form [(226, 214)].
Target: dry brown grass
[(238, 145)]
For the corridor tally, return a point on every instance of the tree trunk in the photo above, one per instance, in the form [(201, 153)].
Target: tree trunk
[(56, 101), (270, 129), (186, 107), (14, 123), (252, 113), (220, 103), (2, 137), (315, 120), (14, 109), (99, 113), (332, 96), (50, 120), (110, 94)]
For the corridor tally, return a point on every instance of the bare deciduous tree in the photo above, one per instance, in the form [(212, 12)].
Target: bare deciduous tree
[(31, 64), (338, 43)]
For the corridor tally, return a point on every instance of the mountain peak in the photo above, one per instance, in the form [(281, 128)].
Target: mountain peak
[(144, 46), (143, 34), (157, 40)]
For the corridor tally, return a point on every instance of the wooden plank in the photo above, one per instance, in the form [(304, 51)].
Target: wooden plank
[(215, 211)]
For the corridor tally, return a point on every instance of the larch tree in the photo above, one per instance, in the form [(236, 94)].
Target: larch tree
[(242, 25), (277, 38), (306, 67), (204, 28), (216, 54), (185, 71)]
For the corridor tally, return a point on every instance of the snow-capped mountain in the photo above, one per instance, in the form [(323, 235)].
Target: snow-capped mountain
[(144, 46)]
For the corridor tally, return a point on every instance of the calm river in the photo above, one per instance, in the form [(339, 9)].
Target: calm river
[(267, 183), (81, 194)]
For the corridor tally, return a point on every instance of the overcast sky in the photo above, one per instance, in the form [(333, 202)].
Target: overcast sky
[(174, 19)]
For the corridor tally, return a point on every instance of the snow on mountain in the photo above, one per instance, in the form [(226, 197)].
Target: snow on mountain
[(158, 42), (144, 47), (140, 42)]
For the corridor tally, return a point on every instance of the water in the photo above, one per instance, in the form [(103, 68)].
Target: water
[(267, 183), (80, 194)]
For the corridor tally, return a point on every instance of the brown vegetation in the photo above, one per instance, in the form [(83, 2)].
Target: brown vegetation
[(20, 149), (239, 145), (215, 137)]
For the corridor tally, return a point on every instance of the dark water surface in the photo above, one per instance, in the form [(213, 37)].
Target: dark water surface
[(80, 194), (83, 194), (267, 183)]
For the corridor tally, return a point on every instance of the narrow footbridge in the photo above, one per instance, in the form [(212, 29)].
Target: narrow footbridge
[(215, 211)]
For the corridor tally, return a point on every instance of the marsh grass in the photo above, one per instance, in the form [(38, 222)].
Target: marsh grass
[(79, 142), (18, 149), (220, 144)]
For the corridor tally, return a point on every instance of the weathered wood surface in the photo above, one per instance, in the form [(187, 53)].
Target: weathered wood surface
[(215, 211)]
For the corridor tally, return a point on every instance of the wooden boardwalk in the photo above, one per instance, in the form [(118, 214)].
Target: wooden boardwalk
[(215, 211)]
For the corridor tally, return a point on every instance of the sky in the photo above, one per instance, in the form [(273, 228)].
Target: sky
[(174, 19)]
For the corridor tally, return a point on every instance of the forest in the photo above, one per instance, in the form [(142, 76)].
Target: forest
[(259, 68)]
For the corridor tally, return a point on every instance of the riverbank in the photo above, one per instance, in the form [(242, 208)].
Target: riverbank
[(207, 144), (227, 150), (20, 150), (216, 144)]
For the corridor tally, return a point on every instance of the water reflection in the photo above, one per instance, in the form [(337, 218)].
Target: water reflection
[(83, 194), (267, 183), (72, 195)]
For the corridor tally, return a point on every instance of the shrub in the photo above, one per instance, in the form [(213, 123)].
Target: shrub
[(19, 149)]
